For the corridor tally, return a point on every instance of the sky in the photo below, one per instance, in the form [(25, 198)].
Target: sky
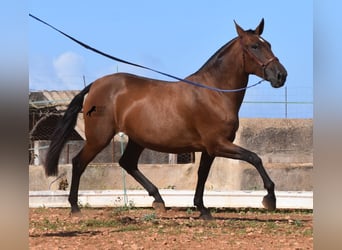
[(176, 37)]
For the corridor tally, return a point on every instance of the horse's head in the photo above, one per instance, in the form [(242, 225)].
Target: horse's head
[(258, 56)]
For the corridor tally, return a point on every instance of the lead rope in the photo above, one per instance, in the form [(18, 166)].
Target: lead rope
[(144, 67)]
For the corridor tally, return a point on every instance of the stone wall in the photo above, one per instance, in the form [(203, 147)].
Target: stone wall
[(285, 146)]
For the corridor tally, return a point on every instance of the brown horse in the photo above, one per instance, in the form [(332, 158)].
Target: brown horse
[(173, 117)]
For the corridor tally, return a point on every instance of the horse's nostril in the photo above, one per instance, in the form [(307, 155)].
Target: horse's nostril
[(281, 76)]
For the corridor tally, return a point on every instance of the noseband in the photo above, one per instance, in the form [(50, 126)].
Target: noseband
[(258, 61)]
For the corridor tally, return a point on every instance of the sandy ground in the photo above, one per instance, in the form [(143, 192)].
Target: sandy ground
[(135, 228)]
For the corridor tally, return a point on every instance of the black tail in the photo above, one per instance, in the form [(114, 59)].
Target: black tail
[(63, 131)]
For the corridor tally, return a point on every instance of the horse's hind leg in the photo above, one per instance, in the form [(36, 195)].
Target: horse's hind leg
[(79, 164), (129, 161)]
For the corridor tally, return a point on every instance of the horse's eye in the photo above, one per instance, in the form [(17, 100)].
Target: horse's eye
[(255, 46)]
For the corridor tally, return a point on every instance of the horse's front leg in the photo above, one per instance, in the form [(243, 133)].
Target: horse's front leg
[(229, 150), (203, 171)]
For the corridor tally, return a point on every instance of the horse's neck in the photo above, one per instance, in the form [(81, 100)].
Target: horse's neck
[(226, 72)]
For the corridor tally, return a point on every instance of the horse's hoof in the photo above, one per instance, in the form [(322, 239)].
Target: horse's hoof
[(206, 216), (159, 206), (75, 212), (269, 202)]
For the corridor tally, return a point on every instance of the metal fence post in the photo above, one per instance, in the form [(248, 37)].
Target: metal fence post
[(121, 135)]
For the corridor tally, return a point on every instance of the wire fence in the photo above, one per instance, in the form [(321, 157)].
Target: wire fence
[(281, 103), (255, 109)]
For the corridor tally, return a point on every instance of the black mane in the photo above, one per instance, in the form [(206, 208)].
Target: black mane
[(216, 55)]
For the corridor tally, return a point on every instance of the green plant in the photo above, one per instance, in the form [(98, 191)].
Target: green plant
[(149, 217), (49, 225), (189, 211), (99, 223), (171, 187), (87, 205), (298, 223)]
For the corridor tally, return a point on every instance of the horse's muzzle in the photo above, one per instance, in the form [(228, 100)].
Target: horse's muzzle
[(276, 74), (281, 78)]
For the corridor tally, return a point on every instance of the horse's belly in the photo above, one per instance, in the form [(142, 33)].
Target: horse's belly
[(165, 135)]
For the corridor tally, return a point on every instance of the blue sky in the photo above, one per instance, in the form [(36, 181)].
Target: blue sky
[(176, 37)]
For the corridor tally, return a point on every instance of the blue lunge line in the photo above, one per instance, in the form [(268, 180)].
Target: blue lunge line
[(144, 67)]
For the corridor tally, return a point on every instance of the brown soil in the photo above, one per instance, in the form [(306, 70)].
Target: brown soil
[(120, 228)]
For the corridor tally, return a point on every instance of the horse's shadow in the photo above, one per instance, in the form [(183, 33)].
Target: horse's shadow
[(220, 218), (67, 234)]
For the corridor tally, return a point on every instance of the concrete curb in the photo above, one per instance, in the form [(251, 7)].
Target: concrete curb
[(173, 198)]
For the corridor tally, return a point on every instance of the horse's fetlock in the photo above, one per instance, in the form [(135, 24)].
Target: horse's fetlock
[(270, 186), (153, 191)]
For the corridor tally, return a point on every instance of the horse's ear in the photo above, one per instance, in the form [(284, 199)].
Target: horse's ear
[(239, 30), (260, 28)]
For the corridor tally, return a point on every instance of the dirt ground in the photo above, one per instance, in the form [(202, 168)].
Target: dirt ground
[(137, 228)]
